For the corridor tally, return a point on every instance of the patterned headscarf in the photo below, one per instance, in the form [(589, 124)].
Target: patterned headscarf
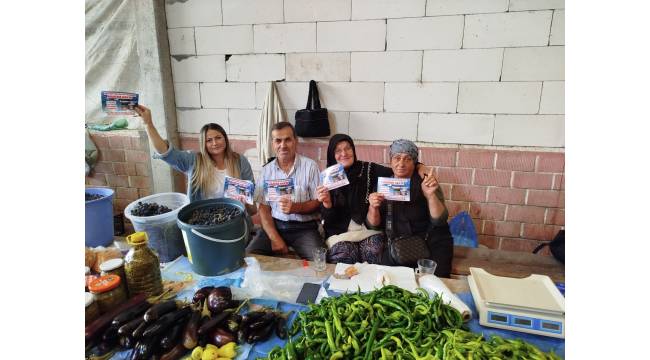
[(403, 146)]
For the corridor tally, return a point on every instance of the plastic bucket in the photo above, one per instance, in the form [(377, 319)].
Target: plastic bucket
[(163, 233), (99, 218), (215, 249)]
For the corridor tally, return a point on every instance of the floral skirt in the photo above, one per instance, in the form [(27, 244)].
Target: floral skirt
[(368, 250)]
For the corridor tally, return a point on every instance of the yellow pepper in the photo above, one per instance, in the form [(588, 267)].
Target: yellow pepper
[(228, 351)]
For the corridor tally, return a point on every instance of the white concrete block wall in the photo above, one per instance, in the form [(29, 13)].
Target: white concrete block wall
[(488, 72)]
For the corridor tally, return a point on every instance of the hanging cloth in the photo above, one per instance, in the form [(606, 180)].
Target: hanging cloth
[(271, 114)]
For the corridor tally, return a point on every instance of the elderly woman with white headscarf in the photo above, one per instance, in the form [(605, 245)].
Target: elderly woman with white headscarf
[(425, 214)]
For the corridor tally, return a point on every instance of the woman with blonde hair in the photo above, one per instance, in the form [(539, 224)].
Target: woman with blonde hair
[(206, 170)]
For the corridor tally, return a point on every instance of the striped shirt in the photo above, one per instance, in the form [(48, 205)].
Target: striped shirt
[(306, 177)]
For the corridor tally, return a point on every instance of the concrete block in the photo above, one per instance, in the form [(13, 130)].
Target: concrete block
[(337, 36), (187, 95), (228, 95), (499, 97), (383, 126), (445, 32), (529, 130), (285, 38), (318, 66), (236, 39), (237, 12), (251, 68), (191, 120), (244, 122), (386, 66), (456, 128), (462, 65), (293, 95), (421, 97), (209, 68), (519, 5), (552, 98), (181, 41), (533, 63), (557, 28), (193, 13), (316, 10), (386, 9), (507, 29), (351, 96), (459, 7)]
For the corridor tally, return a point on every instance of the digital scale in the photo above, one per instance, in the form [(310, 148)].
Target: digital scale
[(532, 305)]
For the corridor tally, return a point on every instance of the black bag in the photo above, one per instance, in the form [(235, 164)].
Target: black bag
[(556, 246), (404, 250), (312, 121)]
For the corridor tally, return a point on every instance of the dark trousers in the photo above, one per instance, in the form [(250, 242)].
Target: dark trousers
[(303, 237)]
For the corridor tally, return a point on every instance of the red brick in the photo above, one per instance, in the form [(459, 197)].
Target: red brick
[(558, 182), (454, 175), (136, 156), (506, 196), (240, 146), (322, 164), (487, 211), (117, 180), (190, 143), (143, 192), (476, 159), (140, 182), (455, 207), (554, 216), (516, 160), (126, 193), (141, 169), (120, 204), (525, 180), (374, 153), (526, 214), (502, 228), (515, 244), (492, 242), (101, 141), (117, 142), (540, 232), (492, 177), (112, 155), (96, 179), (468, 193), (124, 168), (438, 156), (446, 190), (548, 198), (138, 143), (313, 151), (550, 162), (104, 167)]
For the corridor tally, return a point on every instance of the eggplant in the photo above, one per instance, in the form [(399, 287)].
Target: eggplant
[(233, 323), (100, 324), (261, 334), (126, 342), (219, 299), (190, 334), (172, 336), (221, 337), (212, 322), (165, 322), (137, 332), (250, 317), (158, 310), (281, 327), (242, 335), (201, 294), (144, 349), (130, 314), (262, 322), (110, 336), (127, 329), (175, 353)]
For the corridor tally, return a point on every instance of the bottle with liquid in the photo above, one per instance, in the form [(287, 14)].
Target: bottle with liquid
[(142, 267)]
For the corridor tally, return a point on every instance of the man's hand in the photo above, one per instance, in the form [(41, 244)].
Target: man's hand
[(144, 113), (375, 199), (279, 247), (430, 185), (286, 204), (323, 195)]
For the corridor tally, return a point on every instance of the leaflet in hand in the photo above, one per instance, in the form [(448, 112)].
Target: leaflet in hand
[(119, 103), (275, 189), (394, 188), (239, 189), (334, 177)]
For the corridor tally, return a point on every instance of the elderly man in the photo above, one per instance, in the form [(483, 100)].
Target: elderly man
[(292, 220)]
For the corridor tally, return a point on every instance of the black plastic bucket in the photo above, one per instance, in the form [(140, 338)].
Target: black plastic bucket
[(215, 249)]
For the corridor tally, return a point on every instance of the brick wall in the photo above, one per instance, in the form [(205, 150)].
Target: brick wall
[(123, 165)]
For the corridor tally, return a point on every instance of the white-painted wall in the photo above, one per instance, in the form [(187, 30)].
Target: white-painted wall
[(482, 72)]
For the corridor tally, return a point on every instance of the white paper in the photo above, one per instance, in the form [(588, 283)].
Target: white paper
[(334, 177), (239, 189), (395, 189), (433, 285), (275, 189), (366, 280)]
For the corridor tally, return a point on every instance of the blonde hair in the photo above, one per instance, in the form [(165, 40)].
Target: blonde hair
[(203, 175)]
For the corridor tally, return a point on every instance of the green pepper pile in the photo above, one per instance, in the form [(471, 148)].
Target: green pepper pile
[(393, 323)]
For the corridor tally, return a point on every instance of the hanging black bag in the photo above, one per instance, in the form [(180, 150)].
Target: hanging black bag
[(556, 246), (312, 121)]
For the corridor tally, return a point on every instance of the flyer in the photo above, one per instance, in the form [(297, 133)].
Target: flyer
[(394, 188), (334, 177), (119, 103), (275, 189), (239, 189)]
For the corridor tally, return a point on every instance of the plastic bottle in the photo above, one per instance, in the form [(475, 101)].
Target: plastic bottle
[(142, 267)]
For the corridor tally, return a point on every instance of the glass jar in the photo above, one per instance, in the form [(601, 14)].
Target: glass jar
[(107, 291), (92, 310), (115, 267), (142, 267)]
